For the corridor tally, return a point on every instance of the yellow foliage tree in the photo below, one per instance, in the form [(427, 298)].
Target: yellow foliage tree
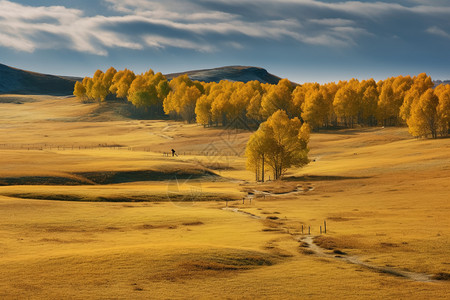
[(108, 77), (345, 103), (256, 153), (203, 110), (386, 112), (182, 99), (162, 88), (253, 93), (420, 85), (329, 91), (369, 99), (98, 91), (141, 93), (443, 109), (121, 83), (88, 83), (80, 91), (146, 91), (278, 97), (188, 103), (237, 103), (298, 97), (424, 119), (400, 86), (220, 107), (280, 143), (315, 108)]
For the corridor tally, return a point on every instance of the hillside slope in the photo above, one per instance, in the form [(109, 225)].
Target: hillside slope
[(16, 81), (232, 73)]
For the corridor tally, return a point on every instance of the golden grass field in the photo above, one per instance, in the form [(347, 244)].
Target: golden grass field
[(126, 222)]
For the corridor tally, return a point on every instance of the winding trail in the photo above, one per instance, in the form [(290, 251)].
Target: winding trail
[(355, 260), (257, 193), (236, 210), (319, 251)]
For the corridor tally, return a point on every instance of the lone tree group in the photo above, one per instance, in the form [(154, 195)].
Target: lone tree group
[(279, 143)]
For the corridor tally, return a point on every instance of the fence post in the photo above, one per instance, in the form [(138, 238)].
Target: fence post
[(325, 226)]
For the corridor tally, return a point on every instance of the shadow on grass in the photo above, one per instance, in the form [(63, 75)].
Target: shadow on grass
[(112, 177), (131, 198), (109, 177)]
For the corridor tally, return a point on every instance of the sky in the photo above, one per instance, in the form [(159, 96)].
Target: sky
[(302, 40)]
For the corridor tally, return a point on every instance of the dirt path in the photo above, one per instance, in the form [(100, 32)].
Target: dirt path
[(257, 193), (355, 260), (308, 240), (236, 210)]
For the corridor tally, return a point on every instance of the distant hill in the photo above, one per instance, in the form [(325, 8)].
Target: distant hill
[(16, 81), (438, 82), (233, 73)]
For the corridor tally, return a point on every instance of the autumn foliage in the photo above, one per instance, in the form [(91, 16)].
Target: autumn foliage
[(278, 144), (396, 101)]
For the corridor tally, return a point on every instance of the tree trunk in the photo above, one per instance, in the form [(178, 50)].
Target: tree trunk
[(262, 169)]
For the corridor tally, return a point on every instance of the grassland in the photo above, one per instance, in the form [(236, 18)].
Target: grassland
[(132, 223)]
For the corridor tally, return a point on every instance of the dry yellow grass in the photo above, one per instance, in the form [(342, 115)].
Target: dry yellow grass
[(384, 195)]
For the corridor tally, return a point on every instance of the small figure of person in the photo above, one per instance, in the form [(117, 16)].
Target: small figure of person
[(173, 153)]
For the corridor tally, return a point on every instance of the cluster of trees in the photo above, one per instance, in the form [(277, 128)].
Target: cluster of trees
[(393, 102), (278, 144), (147, 90), (396, 101), (428, 113), (285, 112)]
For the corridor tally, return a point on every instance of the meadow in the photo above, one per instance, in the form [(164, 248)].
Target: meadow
[(91, 206)]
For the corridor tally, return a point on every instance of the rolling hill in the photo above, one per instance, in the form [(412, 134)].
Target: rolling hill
[(232, 73), (438, 82), (17, 81)]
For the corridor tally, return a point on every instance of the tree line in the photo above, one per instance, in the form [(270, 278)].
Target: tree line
[(395, 101)]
